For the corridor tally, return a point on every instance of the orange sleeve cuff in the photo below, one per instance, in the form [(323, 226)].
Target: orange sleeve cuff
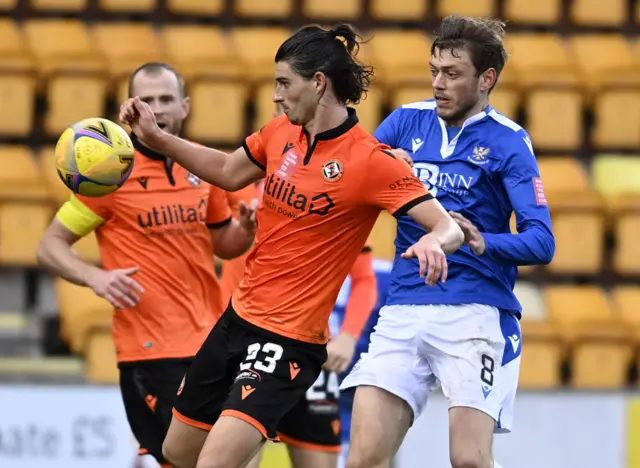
[(363, 297)]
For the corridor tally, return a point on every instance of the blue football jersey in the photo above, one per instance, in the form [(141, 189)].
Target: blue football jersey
[(485, 171)]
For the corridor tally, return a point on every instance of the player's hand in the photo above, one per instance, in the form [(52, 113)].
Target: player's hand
[(139, 116), (402, 154), (117, 286), (247, 216), (472, 236), (433, 261), (340, 351)]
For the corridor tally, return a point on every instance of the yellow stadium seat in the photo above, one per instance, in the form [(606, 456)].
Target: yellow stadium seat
[(540, 59), (626, 301), (60, 45), (22, 225), (21, 178), (196, 7), (332, 9), (260, 8), (530, 297), (217, 111), (126, 46), (578, 308), (265, 107), (383, 236), (87, 93), (554, 118), (604, 59), (615, 175), (129, 6), (506, 101), (409, 94), (625, 218), (8, 4), (602, 363), (387, 10), (80, 311), (14, 53), (617, 123), (18, 91), (102, 362), (184, 51), (541, 362), (597, 13), (538, 12), (394, 53), (256, 48), (467, 7), (59, 5), (370, 109)]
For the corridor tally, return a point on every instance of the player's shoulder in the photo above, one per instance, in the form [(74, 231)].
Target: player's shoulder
[(364, 145), (418, 110), (508, 133), (278, 123)]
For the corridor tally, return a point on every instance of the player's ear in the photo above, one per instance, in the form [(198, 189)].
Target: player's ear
[(319, 82), (488, 79), (186, 106)]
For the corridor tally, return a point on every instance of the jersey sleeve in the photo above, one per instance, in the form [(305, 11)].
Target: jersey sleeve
[(363, 296), (255, 145), (535, 243), (218, 210), (391, 184), (387, 132), (81, 215)]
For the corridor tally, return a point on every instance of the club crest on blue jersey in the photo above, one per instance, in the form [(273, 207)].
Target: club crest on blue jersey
[(479, 155)]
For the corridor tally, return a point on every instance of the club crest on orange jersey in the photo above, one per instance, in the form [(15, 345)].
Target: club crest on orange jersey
[(332, 170), (194, 179)]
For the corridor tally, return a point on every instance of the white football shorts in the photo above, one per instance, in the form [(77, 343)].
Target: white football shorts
[(472, 351)]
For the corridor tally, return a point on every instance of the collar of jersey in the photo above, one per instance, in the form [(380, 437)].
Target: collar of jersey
[(145, 151), (448, 147), (341, 129)]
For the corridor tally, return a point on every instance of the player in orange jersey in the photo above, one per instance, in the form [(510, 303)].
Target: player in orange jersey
[(327, 180), (156, 236)]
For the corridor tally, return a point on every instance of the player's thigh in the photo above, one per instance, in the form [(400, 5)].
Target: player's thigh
[(380, 422), (312, 458), (202, 393), (474, 351), (257, 459), (392, 362), (470, 437), (232, 443)]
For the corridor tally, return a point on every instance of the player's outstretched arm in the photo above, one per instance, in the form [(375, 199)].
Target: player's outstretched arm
[(228, 171), (235, 238)]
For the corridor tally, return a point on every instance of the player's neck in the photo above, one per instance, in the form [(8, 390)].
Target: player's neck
[(480, 106), (325, 118)]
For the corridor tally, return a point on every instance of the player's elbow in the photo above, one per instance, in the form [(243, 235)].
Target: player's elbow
[(548, 250)]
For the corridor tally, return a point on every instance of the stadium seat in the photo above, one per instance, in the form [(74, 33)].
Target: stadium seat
[(407, 94), (541, 361), (126, 46), (467, 7), (256, 48), (506, 101), (617, 119), (604, 60), (265, 108), (62, 45), (602, 364), (59, 5), (196, 7), (554, 118), (22, 225), (217, 111), (393, 54), (259, 8), (87, 93), (383, 236), (58, 192), (14, 53), (8, 4), (370, 109), (540, 59), (332, 9), (538, 12), (80, 311), (597, 13), (530, 297), (625, 218), (101, 363), (17, 106), (398, 10), (615, 175), (21, 179), (129, 6), (184, 51), (626, 301)]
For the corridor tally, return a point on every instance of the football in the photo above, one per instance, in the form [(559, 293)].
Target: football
[(94, 157)]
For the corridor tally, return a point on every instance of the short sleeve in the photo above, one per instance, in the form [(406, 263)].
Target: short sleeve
[(81, 215), (391, 184), (218, 210), (255, 145)]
